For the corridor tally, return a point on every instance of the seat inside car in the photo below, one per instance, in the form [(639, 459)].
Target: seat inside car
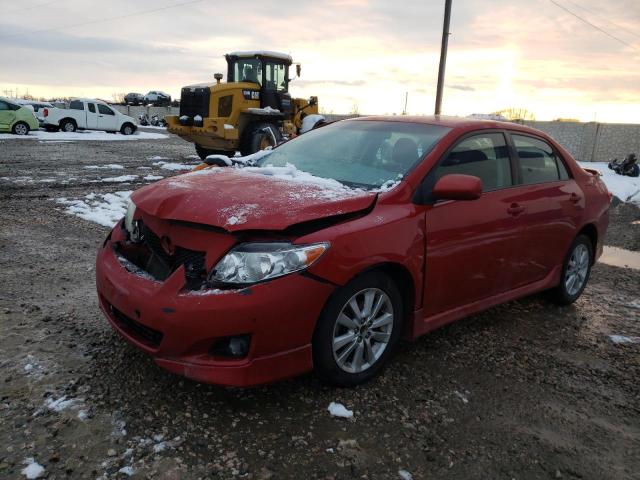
[(473, 162), (404, 153)]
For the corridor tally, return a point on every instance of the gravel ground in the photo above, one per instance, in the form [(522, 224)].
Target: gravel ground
[(526, 390)]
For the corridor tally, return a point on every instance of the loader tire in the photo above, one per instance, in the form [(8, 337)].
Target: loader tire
[(255, 139)]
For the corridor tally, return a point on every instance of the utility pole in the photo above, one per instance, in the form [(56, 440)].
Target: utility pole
[(406, 99), (443, 55)]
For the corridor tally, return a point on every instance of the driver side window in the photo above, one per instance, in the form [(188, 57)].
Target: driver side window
[(485, 156)]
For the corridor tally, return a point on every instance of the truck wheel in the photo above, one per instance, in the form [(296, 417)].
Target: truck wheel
[(205, 152), (255, 138), (127, 129), (20, 128), (68, 125)]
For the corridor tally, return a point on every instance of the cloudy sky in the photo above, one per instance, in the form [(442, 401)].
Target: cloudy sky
[(359, 55)]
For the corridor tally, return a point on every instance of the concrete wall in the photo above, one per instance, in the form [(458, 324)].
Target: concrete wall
[(135, 111), (593, 142)]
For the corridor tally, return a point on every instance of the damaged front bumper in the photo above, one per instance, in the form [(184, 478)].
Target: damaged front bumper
[(180, 327)]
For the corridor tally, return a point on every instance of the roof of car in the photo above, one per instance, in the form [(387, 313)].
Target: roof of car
[(460, 123)]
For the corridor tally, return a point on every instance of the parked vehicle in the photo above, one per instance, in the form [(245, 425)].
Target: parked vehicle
[(88, 114), (38, 107), (158, 98), (15, 118), (241, 276), (628, 166), (134, 99)]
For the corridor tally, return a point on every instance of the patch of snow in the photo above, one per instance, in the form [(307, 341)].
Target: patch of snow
[(63, 403), (33, 468), (625, 188), (390, 184), (264, 111), (152, 178), (104, 209), (133, 268), (28, 367), (112, 166), (309, 122), (120, 179), (634, 304), (265, 53), (83, 415), (404, 475), (238, 213), (197, 118), (228, 127), (184, 118), (55, 141), (461, 396), (127, 470), (339, 410), (618, 339), (145, 168), (253, 158), (173, 166), (87, 135)]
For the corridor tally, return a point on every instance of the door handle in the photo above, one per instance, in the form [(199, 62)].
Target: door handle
[(515, 209), (101, 116), (575, 198)]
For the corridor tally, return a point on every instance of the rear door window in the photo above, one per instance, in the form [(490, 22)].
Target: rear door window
[(76, 105), (539, 163), (92, 107), (485, 156)]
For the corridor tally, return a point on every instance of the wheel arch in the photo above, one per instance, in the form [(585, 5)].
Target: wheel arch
[(401, 276), (591, 232), (62, 120)]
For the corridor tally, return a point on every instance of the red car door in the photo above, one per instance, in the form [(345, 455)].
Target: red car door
[(551, 203), (471, 246)]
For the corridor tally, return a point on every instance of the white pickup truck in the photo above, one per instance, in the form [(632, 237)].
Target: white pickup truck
[(88, 114)]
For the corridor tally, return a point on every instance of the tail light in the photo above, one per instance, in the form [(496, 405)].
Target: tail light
[(46, 112)]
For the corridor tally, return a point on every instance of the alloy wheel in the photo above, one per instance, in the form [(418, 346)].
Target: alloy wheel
[(362, 330), (577, 269), (21, 129)]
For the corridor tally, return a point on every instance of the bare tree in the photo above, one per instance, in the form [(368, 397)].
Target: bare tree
[(118, 97), (515, 113)]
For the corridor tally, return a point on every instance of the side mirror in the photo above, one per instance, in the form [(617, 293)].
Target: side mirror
[(313, 101), (457, 187)]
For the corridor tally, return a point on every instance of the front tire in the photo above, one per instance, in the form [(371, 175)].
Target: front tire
[(575, 272), (358, 330), (255, 138), (20, 128), (127, 129), (203, 152)]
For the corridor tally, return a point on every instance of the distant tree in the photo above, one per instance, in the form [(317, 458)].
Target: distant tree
[(118, 97), (515, 113), (355, 108)]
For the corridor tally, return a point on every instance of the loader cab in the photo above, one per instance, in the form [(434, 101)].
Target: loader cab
[(270, 71)]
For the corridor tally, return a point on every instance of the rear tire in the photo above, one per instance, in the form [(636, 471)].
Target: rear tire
[(341, 328), (68, 126), (576, 269), (254, 139), (20, 128)]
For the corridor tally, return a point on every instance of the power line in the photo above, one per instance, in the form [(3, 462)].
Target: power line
[(101, 20), (592, 12), (593, 25)]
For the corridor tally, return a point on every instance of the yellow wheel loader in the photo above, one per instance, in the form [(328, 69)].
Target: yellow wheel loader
[(250, 112)]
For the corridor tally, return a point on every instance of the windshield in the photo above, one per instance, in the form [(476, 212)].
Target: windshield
[(248, 70), (365, 154)]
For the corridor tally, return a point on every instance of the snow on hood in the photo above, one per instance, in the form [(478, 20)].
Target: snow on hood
[(262, 198)]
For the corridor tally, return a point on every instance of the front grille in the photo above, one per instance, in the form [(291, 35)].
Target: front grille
[(195, 101), (161, 264), (137, 330)]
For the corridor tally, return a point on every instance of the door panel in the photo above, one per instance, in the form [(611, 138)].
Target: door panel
[(92, 116), (106, 118), (549, 221), (472, 248), (7, 117)]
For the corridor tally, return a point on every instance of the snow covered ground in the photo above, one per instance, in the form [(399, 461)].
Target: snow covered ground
[(86, 135), (104, 209), (626, 189)]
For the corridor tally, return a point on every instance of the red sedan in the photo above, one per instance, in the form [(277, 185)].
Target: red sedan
[(322, 253)]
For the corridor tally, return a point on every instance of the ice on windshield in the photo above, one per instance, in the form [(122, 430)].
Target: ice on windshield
[(362, 154)]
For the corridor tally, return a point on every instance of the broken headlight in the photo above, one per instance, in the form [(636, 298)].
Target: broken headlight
[(255, 262), (131, 225)]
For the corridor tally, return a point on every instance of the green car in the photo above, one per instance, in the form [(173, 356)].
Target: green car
[(15, 118)]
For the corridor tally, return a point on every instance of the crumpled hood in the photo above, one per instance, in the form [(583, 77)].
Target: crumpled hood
[(235, 199)]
